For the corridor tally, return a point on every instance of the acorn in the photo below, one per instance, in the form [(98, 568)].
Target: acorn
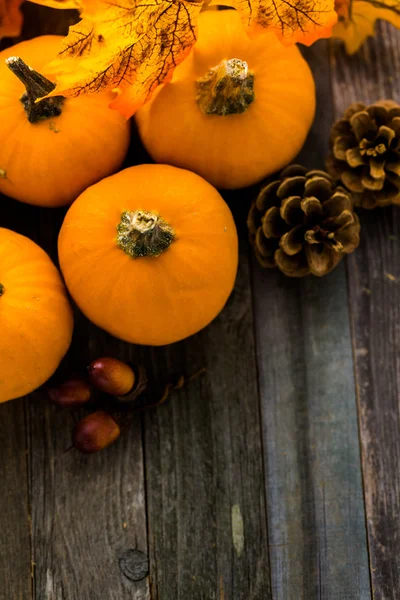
[(95, 432), (117, 378), (111, 376), (73, 393)]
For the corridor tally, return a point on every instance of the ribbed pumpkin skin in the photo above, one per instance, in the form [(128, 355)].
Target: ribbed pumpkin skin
[(51, 162), (235, 150), (150, 300), (35, 315)]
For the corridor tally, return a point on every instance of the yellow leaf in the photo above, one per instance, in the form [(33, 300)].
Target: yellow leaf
[(357, 19), (294, 21), (10, 18), (126, 47)]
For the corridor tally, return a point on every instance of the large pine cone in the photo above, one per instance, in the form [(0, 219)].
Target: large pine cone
[(365, 157), (302, 224)]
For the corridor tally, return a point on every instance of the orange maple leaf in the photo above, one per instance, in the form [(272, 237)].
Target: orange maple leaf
[(128, 47), (294, 21), (10, 18), (357, 19), (133, 46)]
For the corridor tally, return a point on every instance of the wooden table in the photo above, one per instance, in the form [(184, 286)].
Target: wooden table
[(274, 476)]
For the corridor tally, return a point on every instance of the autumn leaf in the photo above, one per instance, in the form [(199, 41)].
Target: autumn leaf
[(10, 18), (357, 19), (294, 21), (128, 47), (132, 46)]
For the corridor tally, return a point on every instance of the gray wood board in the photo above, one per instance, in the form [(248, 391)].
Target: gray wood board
[(371, 75), (88, 514), (15, 550), (16, 567), (316, 522), (204, 471)]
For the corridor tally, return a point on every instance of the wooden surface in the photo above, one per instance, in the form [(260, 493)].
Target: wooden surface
[(275, 476), (374, 299)]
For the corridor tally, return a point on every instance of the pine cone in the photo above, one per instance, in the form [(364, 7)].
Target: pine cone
[(365, 157), (302, 224)]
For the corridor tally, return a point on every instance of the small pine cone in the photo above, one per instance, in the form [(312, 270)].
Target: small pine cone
[(365, 153), (302, 224)]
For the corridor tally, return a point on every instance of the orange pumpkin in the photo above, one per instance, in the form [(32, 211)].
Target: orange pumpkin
[(150, 254), (237, 109), (36, 317), (52, 159)]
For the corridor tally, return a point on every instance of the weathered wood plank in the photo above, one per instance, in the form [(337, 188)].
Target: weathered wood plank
[(15, 551), (316, 523), (88, 513), (204, 472), (15, 542), (371, 75)]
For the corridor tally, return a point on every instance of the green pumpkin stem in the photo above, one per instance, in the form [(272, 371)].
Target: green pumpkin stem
[(141, 233), (226, 89), (36, 86)]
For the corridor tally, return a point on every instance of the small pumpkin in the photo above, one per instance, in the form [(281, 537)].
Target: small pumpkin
[(52, 150), (237, 109), (150, 254), (36, 317)]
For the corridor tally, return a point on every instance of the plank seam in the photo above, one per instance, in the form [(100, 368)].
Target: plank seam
[(358, 409), (28, 446), (260, 412), (146, 507)]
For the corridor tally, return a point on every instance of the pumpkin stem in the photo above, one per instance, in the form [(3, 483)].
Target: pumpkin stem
[(2, 290), (143, 233), (36, 86), (227, 88)]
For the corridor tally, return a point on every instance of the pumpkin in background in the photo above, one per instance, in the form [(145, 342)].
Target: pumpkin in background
[(52, 159), (237, 109), (36, 317), (150, 254)]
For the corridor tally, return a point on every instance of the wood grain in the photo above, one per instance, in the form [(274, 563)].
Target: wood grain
[(204, 472), (88, 515), (316, 523), (15, 517), (373, 278), (15, 550), (203, 475)]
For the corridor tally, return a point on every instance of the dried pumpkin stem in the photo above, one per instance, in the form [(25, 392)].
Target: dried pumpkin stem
[(1, 289), (36, 86), (141, 233), (227, 89)]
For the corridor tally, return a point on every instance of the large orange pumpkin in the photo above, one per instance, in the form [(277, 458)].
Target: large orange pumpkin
[(45, 159), (35, 315), (237, 109), (150, 254)]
